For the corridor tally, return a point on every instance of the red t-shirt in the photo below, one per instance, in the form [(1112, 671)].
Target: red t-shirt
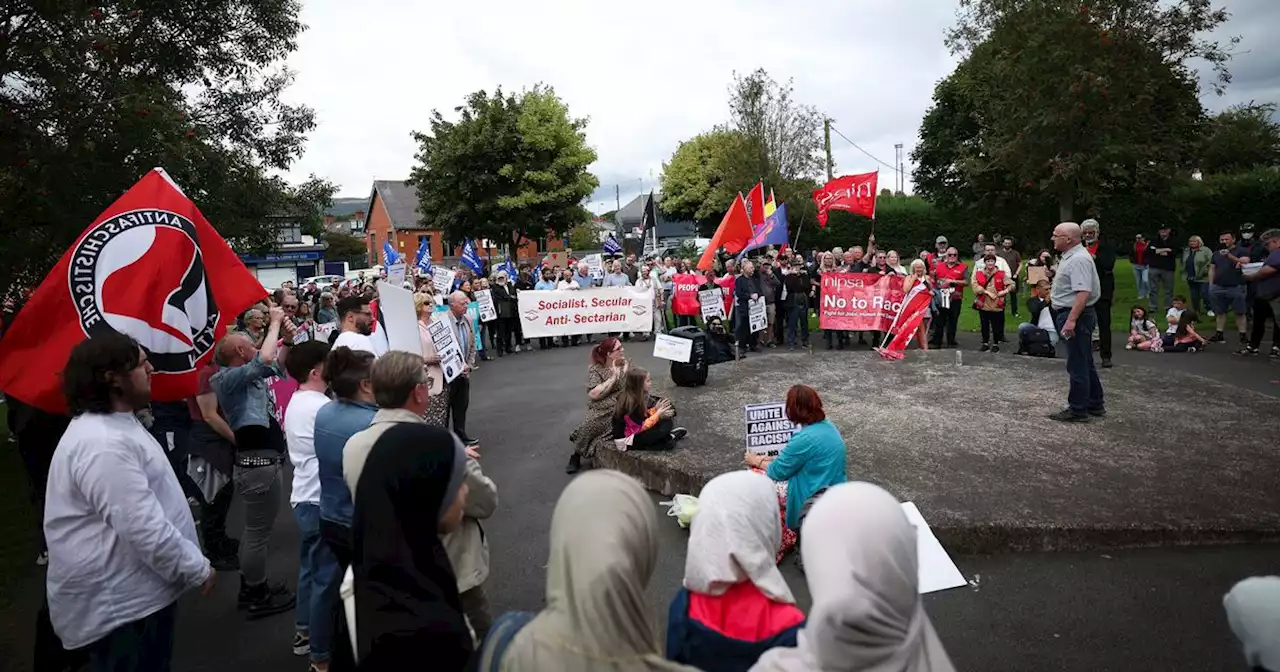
[(743, 612), (202, 387), (958, 272)]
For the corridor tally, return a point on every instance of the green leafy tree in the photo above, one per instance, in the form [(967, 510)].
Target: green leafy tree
[(94, 96), (769, 136), (584, 236), (344, 247), (1241, 138), (510, 168), (1075, 102)]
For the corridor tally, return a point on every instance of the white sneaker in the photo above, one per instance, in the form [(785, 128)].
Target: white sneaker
[(43, 559), (1210, 314)]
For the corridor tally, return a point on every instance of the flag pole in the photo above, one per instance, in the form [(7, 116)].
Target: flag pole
[(799, 229)]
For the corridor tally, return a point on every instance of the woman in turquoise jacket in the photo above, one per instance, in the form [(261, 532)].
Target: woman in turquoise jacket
[(812, 461)]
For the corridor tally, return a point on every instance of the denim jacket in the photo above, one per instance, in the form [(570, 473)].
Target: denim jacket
[(336, 422), (242, 393)]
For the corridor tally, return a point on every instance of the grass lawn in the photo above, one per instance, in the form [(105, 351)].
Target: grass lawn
[(17, 520)]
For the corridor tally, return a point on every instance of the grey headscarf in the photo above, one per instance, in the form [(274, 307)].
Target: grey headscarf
[(604, 547), (860, 562), (1253, 611)]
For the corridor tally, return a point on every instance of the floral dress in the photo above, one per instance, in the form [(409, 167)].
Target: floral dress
[(596, 429)]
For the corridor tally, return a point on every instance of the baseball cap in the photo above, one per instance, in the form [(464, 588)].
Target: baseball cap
[(940, 239)]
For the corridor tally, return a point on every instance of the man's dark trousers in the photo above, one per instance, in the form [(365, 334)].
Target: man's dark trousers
[(1085, 393), (1103, 311), (459, 400)]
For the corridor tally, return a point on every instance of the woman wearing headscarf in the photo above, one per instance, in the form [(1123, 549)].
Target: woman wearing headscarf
[(735, 605), (412, 489), (861, 566), (604, 547)]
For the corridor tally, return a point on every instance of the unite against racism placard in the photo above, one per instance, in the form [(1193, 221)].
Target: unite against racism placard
[(768, 429), (859, 301), (565, 312)]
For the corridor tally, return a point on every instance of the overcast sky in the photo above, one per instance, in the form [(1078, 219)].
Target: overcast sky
[(646, 75)]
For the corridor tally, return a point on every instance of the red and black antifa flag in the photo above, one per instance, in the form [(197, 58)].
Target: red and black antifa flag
[(151, 266)]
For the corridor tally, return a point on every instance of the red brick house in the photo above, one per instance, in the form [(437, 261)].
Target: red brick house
[(393, 216)]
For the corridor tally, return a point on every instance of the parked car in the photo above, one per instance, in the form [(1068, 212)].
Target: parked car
[(324, 280)]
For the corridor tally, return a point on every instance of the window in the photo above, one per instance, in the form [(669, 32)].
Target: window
[(542, 244), (357, 225), (288, 232)]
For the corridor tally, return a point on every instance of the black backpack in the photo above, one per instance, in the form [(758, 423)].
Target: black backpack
[(1037, 344)]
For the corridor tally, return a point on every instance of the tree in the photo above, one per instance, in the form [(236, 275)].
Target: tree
[(344, 247), (95, 96), (703, 176), (785, 137), (1241, 138), (1077, 102), (584, 236), (509, 168)]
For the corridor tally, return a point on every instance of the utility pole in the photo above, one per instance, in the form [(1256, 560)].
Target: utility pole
[(899, 180), (826, 133)]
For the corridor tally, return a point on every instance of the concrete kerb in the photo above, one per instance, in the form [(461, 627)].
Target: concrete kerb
[(1174, 463)]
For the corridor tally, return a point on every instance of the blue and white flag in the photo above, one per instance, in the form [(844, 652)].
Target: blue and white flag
[(423, 260), (537, 272), (389, 255), (611, 246), (470, 259), (509, 268)]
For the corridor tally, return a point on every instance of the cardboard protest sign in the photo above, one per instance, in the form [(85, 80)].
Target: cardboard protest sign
[(711, 303), (395, 274), (595, 266), (484, 298), (1036, 274), (446, 342), (442, 278), (934, 568), (673, 348), (768, 429), (399, 318), (757, 315)]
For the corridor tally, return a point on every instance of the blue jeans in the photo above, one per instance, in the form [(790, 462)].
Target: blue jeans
[(1140, 277), (797, 318), (1085, 393), (308, 517), (326, 578)]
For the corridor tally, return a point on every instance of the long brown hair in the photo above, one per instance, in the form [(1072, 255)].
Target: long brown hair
[(632, 400)]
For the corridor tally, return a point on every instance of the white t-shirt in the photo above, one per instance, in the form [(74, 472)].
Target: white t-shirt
[(1172, 316), (122, 543), (354, 340), (300, 433)]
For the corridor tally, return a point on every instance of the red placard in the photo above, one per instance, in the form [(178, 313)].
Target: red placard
[(684, 294), (859, 301)]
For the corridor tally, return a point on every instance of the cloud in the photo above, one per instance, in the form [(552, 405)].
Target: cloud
[(646, 76)]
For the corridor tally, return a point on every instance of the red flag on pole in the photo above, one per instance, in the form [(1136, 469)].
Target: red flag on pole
[(733, 234), (755, 205), (150, 266), (915, 306), (851, 193)]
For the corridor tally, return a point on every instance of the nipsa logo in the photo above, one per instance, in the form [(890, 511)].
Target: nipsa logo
[(141, 273)]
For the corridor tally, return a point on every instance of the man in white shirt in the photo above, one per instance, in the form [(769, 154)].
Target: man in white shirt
[(305, 364), (122, 543), (355, 321)]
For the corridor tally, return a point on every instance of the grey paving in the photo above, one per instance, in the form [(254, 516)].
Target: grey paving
[(1153, 609)]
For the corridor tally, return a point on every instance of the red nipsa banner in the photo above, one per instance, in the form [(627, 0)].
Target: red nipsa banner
[(859, 301), (851, 193)]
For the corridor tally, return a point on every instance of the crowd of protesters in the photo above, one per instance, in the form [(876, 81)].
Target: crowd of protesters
[(389, 496)]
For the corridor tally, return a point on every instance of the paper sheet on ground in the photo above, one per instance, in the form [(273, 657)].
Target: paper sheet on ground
[(673, 348), (936, 570)]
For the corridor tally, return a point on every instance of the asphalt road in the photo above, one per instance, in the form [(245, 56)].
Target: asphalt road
[(1153, 609)]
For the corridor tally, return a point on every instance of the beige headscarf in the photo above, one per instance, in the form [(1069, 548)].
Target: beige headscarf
[(735, 536), (604, 547), (860, 562)]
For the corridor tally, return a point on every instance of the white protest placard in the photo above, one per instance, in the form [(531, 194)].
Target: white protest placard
[(442, 278), (768, 429), (395, 274), (1251, 267), (565, 312), (673, 348), (595, 266), (711, 301), (488, 313), (322, 331), (935, 571), (446, 342), (399, 318), (757, 316)]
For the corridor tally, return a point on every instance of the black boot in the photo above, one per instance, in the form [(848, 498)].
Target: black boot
[(575, 464)]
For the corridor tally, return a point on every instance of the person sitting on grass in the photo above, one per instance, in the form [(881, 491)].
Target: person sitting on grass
[(1175, 313), (1185, 338), (642, 421), (1144, 334)]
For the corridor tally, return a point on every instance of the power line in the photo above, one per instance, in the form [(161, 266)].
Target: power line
[(890, 166)]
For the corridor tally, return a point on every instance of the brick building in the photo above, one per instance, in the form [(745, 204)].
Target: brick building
[(392, 215)]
